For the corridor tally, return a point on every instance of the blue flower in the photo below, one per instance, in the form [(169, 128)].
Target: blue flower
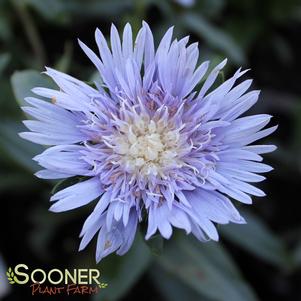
[(148, 143)]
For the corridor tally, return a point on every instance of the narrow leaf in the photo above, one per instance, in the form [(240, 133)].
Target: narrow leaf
[(205, 268), (257, 238), (23, 81)]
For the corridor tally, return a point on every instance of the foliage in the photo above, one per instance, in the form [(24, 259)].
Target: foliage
[(251, 259)]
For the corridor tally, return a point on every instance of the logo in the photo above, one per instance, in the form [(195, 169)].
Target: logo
[(57, 281)]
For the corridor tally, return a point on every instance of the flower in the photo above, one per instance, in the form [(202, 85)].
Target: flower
[(147, 143)]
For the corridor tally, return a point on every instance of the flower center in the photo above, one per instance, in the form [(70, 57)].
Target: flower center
[(147, 147)]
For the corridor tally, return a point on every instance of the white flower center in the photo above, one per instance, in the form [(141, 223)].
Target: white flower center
[(147, 147)]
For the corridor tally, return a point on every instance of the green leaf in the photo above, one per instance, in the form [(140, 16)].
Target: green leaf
[(214, 37), (23, 81), (50, 9), (121, 273), (46, 227), (63, 64), (17, 148), (4, 60), (257, 238), (95, 8), (156, 244), (171, 288), (61, 10), (10, 181), (8, 108), (5, 26), (209, 8), (297, 254), (205, 268)]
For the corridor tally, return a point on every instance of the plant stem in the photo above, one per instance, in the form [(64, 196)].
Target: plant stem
[(31, 32)]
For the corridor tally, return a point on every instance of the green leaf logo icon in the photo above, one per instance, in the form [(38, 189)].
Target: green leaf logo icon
[(11, 276), (103, 285)]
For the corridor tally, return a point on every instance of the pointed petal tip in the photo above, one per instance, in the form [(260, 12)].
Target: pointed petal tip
[(81, 44), (37, 174), (53, 198), (98, 33), (114, 28), (148, 236), (146, 26), (36, 90), (36, 158), (81, 246), (167, 236), (206, 63), (241, 221), (82, 232), (27, 99), (276, 127), (224, 62), (54, 208), (215, 237), (98, 258), (23, 135)]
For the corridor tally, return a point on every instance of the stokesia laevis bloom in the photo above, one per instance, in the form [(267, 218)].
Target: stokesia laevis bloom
[(147, 143)]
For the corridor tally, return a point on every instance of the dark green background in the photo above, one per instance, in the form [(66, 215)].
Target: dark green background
[(257, 261)]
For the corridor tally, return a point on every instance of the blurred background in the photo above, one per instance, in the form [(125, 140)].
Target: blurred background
[(257, 261)]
